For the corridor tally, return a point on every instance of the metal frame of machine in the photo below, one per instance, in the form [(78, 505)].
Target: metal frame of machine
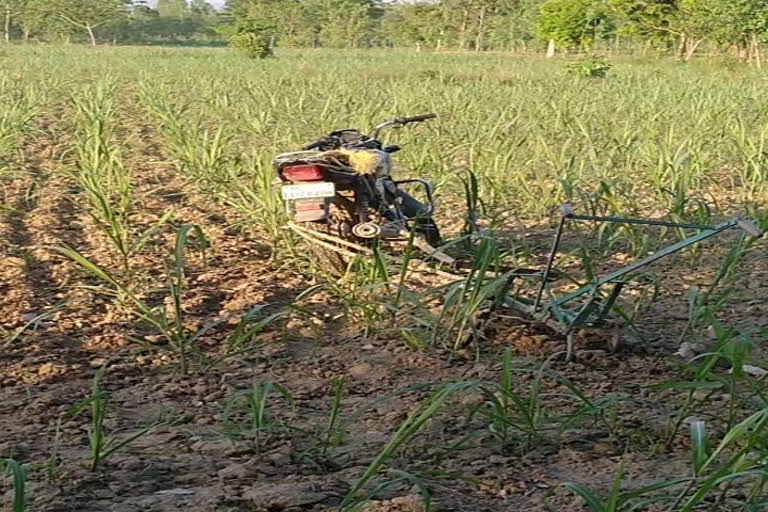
[(567, 313)]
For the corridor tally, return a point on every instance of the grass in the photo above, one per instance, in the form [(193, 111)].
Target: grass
[(513, 413), (404, 434), (168, 323), (619, 501), (207, 156), (32, 324), (334, 434), (24, 100), (713, 471), (560, 135), (105, 180)]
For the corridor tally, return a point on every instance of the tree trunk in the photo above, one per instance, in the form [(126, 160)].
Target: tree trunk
[(7, 24), (463, 30), (681, 48), (551, 49), (692, 49), (743, 50), (90, 34), (26, 34), (756, 51), (480, 28)]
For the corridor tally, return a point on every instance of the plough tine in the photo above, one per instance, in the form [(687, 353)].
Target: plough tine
[(301, 230), (315, 240), (327, 241), (433, 252)]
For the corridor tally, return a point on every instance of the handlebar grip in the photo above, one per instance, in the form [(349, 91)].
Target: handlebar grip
[(417, 119), (566, 210), (750, 227), (312, 145)]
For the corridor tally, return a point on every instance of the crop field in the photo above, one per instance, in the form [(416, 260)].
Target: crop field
[(166, 345)]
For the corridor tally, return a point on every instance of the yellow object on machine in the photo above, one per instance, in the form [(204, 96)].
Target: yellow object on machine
[(363, 161)]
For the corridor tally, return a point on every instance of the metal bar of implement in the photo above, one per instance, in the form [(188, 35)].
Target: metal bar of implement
[(427, 189), (550, 262), (611, 301), (583, 314), (519, 304), (622, 220), (646, 261)]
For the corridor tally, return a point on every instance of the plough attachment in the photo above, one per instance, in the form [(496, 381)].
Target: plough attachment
[(450, 267), (589, 306)]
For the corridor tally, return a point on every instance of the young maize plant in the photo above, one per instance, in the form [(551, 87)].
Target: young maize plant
[(104, 179)]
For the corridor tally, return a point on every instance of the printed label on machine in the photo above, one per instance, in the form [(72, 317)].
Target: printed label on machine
[(308, 190)]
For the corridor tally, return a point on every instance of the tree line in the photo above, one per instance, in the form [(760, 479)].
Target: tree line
[(114, 21), (682, 27)]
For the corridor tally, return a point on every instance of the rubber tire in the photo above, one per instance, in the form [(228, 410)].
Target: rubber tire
[(428, 229), (334, 263)]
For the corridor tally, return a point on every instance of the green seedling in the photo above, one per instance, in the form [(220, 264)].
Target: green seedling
[(254, 406), (19, 473), (103, 444), (404, 434)]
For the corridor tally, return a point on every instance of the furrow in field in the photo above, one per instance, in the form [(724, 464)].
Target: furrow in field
[(240, 275), (43, 213)]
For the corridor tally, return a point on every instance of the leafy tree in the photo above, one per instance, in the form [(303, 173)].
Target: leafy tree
[(513, 24), (252, 38), (172, 8), (341, 23), (11, 9), (571, 23), (691, 22), (740, 23), (88, 14), (645, 18), (36, 17), (201, 8), (470, 24), (416, 24)]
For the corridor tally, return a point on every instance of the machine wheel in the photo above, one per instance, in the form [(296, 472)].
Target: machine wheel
[(429, 231)]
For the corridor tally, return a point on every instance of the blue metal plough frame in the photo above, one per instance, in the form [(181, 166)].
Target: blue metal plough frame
[(565, 314)]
